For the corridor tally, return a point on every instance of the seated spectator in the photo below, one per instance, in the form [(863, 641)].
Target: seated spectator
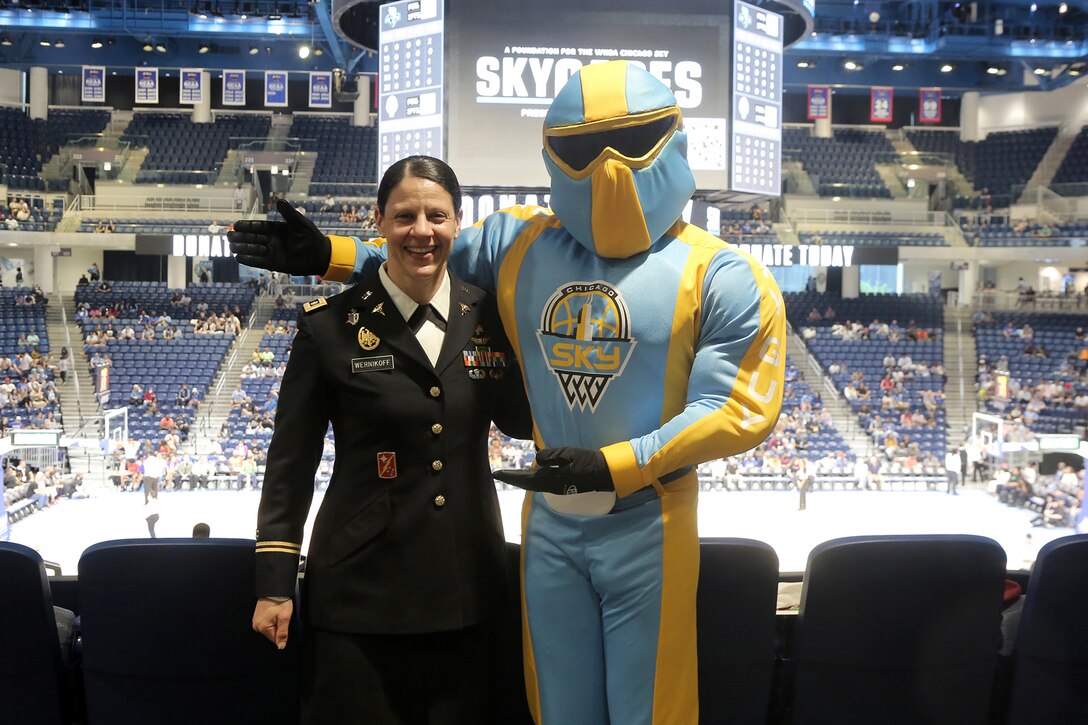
[(106, 226), (83, 281), (150, 400)]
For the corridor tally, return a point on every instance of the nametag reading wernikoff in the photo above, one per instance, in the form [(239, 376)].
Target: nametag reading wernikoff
[(371, 364)]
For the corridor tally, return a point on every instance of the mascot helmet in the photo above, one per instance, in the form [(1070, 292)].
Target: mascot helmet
[(616, 152)]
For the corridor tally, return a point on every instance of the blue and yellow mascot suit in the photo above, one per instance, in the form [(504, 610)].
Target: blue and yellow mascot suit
[(648, 346)]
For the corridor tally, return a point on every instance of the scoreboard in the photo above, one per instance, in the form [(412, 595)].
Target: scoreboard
[(757, 100), (411, 112)]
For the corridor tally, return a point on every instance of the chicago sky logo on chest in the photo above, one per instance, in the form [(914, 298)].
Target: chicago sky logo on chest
[(585, 336)]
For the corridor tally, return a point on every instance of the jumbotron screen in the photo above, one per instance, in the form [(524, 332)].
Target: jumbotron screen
[(505, 62)]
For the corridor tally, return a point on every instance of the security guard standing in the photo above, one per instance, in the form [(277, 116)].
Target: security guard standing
[(406, 566)]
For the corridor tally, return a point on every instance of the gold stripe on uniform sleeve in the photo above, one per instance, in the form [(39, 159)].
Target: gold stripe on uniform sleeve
[(277, 550), (279, 544)]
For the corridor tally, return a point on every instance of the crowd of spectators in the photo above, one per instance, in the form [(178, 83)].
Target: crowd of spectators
[(1056, 498)]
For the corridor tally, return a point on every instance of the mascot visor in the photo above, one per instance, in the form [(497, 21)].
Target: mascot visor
[(635, 140)]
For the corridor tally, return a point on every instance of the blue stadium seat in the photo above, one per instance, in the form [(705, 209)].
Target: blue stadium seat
[(899, 629), (738, 588), (32, 680), (167, 639), (1050, 676)]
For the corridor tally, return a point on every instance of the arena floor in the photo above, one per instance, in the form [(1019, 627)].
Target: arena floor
[(63, 531)]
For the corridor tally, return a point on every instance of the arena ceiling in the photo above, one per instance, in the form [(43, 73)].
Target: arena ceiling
[(992, 45)]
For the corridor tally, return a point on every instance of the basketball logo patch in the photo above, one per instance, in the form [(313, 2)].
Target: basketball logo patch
[(585, 335)]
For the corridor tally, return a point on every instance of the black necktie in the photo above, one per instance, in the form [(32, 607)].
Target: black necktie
[(422, 313)]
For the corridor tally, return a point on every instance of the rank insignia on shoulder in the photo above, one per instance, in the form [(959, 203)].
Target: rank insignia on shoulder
[(353, 316), (314, 305), (367, 339)]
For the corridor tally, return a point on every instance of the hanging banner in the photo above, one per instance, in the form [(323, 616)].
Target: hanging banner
[(94, 84), (929, 105), (147, 85), (192, 86), (234, 88), (880, 105), (819, 102), (320, 89), (275, 88)]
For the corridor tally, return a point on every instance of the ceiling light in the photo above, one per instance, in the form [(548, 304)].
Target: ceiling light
[(947, 68), (161, 47), (994, 71), (202, 49), (275, 16), (96, 43), (44, 43), (58, 43), (898, 67), (1063, 8), (253, 50), (304, 51), (1040, 71), (5, 41), (850, 65), (802, 64), (1034, 7), (148, 47), (318, 51)]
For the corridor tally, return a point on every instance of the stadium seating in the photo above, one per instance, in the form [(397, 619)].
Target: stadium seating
[(842, 165), (33, 689), (346, 154), (738, 587), (181, 151), (996, 164), (1051, 652), (167, 637), (898, 629)]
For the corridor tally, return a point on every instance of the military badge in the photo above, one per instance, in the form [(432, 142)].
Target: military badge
[(464, 308), (478, 337), (314, 305), (477, 373), (387, 464), (353, 316), (367, 294), (496, 373), (379, 308), (367, 339)]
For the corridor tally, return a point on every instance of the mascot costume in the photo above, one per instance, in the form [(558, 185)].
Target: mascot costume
[(648, 346)]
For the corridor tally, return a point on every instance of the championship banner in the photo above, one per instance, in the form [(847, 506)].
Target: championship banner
[(819, 102), (929, 105), (234, 88), (275, 88), (880, 105), (94, 84), (147, 85), (192, 86), (320, 89)]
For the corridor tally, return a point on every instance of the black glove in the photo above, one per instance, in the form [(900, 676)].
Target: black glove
[(562, 471), (295, 246)]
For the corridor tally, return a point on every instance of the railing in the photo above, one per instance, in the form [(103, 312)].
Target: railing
[(188, 202), (891, 217), (1013, 300)]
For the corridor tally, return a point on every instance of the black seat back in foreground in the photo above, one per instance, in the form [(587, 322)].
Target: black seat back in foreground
[(167, 637), (738, 591), (1050, 660), (31, 672), (899, 629)]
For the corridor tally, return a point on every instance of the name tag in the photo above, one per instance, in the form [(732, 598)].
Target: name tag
[(371, 364)]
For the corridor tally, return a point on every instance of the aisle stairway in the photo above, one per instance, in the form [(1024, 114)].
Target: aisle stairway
[(217, 401), (960, 361), (841, 413)]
